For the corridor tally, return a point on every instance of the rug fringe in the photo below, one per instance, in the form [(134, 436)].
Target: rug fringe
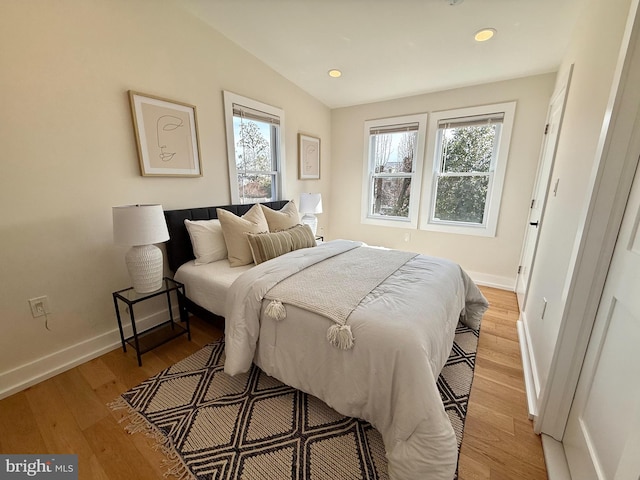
[(119, 404), (175, 466)]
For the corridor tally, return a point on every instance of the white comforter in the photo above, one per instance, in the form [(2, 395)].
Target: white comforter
[(403, 334)]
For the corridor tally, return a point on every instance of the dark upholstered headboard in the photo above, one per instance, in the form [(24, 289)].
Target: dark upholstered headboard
[(179, 248)]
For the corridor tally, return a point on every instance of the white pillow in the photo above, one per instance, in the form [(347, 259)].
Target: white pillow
[(207, 240)]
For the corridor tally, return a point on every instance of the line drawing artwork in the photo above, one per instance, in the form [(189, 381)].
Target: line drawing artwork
[(310, 159), (166, 136), (165, 125)]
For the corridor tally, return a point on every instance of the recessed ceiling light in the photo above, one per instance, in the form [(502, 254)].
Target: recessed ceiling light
[(484, 34), (335, 73)]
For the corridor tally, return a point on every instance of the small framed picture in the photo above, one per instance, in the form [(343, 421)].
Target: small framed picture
[(309, 157), (167, 136)]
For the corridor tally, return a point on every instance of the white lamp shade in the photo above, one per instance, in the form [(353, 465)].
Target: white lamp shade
[(139, 225), (310, 203)]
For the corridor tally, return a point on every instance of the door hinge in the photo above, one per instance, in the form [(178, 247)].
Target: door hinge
[(546, 129), (533, 201), (519, 269)]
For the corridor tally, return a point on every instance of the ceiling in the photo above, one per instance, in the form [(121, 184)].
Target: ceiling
[(394, 48)]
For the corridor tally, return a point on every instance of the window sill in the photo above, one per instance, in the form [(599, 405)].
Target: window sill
[(389, 222), (486, 231)]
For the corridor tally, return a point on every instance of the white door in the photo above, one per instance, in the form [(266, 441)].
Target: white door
[(552, 130), (602, 438)]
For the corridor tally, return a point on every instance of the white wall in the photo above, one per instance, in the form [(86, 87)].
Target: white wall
[(594, 51), (490, 260), (69, 155)]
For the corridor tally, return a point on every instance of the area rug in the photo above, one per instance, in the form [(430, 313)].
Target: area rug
[(253, 427)]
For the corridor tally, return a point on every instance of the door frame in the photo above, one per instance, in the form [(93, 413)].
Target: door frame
[(610, 183)]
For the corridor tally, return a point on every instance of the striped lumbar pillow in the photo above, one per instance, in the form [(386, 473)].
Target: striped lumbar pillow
[(265, 246), (302, 236)]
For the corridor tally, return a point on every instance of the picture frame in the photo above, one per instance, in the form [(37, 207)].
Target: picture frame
[(308, 157), (166, 135)]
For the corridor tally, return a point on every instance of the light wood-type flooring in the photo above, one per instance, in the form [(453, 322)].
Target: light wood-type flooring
[(69, 414)]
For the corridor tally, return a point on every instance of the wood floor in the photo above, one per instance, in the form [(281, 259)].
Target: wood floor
[(498, 441), (69, 413)]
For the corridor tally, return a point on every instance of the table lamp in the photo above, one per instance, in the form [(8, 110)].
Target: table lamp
[(310, 204), (141, 226)]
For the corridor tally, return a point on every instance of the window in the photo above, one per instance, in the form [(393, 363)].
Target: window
[(254, 149), (468, 152), (394, 148)]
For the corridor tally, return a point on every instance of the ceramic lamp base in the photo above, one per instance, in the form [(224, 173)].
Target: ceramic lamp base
[(144, 263), (311, 220)]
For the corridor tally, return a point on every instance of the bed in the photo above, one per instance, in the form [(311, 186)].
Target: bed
[(180, 250), (375, 355)]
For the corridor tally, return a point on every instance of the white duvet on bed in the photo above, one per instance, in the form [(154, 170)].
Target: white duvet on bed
[(403, 333)]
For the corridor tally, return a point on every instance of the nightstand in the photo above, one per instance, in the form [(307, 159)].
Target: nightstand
[(150, 338)]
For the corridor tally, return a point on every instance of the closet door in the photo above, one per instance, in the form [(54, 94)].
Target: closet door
[(536, 212), (602, 439)]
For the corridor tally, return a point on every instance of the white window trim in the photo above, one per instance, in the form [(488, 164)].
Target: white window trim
[(367, 194), (495, 187), (229, 99)]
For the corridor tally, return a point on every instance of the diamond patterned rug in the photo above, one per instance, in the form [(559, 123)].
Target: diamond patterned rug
[(253, 427)]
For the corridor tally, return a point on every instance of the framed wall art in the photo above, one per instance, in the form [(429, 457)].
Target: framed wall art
[(309, 157), (166, 135)]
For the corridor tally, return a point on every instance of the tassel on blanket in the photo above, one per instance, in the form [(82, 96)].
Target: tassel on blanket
[(276, 310), (340, 336)]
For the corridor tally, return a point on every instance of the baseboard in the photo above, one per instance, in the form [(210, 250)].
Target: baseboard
[(495, 281), (51, 365), (527, 366), (555, 459)]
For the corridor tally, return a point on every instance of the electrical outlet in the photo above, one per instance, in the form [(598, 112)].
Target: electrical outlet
[(407, 237), (39, 306)]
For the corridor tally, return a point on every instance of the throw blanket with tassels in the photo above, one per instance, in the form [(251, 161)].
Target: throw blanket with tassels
[(318, 289)]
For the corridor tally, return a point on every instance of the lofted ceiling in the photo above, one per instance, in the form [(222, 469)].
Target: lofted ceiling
[(394, 48)]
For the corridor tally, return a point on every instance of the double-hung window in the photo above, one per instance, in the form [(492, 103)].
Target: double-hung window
[(394, 149), (254, 148), (468, 154)]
